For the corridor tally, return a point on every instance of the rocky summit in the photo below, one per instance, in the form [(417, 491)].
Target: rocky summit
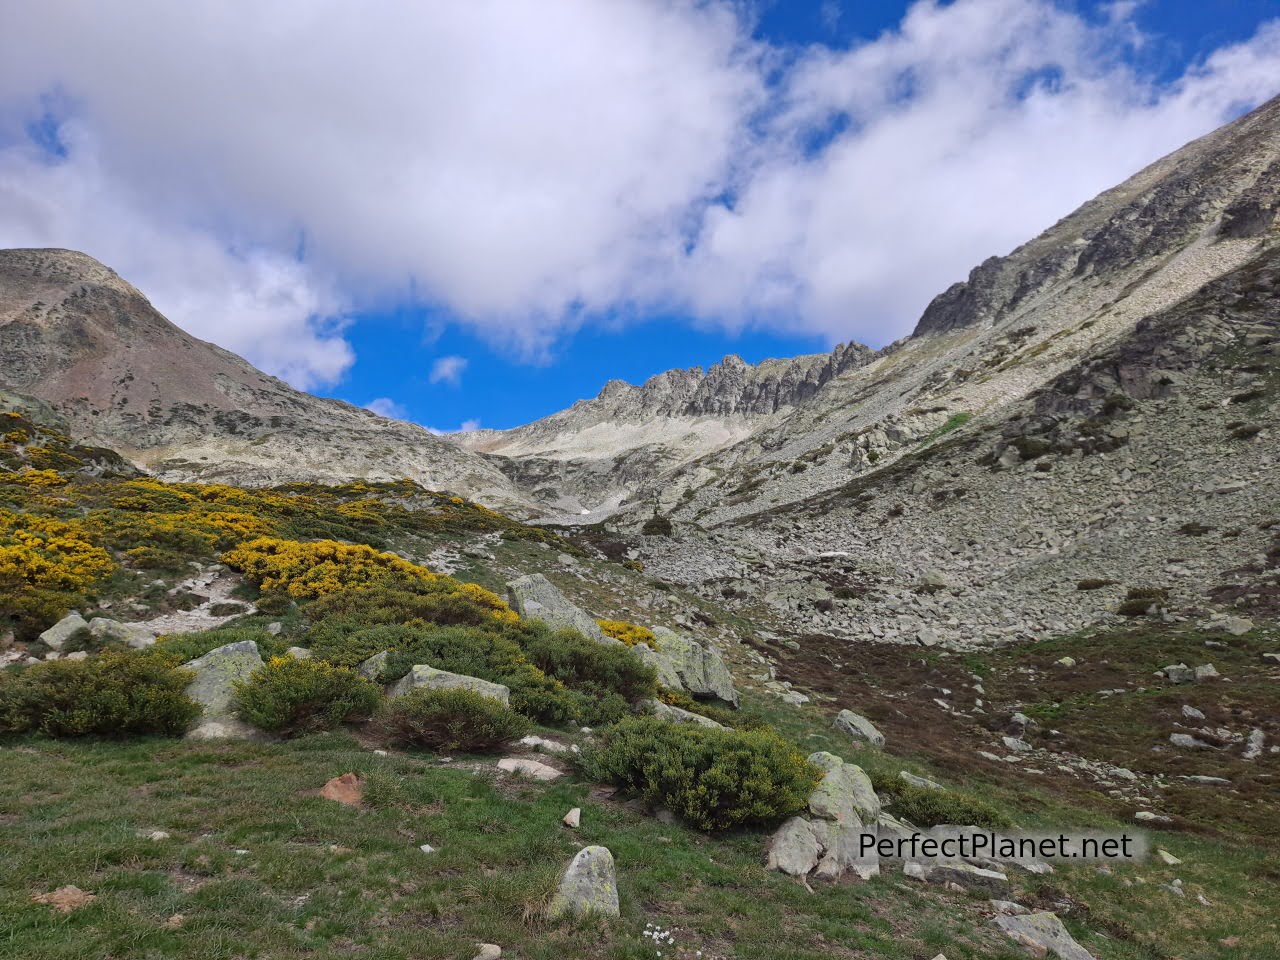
[(272, 664)]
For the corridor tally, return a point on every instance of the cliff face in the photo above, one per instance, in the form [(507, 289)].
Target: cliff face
[(79, 338)]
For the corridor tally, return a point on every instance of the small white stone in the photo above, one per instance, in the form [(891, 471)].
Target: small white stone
[(573, 818), (428, 848)]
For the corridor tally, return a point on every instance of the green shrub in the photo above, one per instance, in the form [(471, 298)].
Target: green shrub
[(597, 669), (117, 693), (927, 807), (488, 654), (1140, 599), (179, 648), (714, 779), (657, 526), (451, 720), (291, 696)]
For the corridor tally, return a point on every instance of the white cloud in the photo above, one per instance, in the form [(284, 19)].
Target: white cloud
[(466, 427), (968, 131), (529, 166), (386, 407), (447, 370)]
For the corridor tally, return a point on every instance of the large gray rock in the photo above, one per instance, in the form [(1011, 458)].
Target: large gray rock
[(970, 876), (216, 674), (113, 631), (701, 669), (827, 843), (56, 637), (662, 665), (859, 728), (537, 598), (844, 794), (589, 886), (1041, 932), (794, 849), (422, 677), (680, 715)]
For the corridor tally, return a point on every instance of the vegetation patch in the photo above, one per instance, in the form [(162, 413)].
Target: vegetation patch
[(713, 779), (293, 696), (451, 720)]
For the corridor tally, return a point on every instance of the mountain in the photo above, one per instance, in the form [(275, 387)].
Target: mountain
[(75, 336), (1092, 414), (728, 443), (592, 455)]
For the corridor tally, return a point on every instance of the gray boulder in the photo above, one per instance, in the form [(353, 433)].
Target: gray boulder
[(680, 715), (859, 728), (588, 887), (662, 665), (970, 876), (56, 637), (113, 631), (1179, 673), (701, 669), (216, 674), (1043, 932), (844, 794), (794, 849), (537, 598), (429, 678), (372, 668)]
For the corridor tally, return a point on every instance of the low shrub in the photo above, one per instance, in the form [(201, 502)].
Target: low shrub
[(927, 807), (657, 526), (290, 696), (180, 648), (581, 664), (451, 720), (713, 779), (115, 694), (1139, 600)]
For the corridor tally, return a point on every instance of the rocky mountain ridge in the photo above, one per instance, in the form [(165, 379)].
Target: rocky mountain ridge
[(78, 338)]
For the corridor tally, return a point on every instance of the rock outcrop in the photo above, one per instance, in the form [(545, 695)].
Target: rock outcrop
[(423, 677), (216, 674)]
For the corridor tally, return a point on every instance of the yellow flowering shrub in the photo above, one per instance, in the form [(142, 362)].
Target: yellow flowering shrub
[(321, 568), (46, 566), (42, 552), (34, 478), (628, 633)]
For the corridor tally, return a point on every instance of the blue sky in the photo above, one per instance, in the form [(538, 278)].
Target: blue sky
[(495, 207)]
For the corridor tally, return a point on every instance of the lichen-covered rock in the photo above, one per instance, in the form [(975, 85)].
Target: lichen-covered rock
[(970, 876), (429, 678), (844, 794), (537, 598), (56, 637), (701, 669), (1041, 932), (680, 715), (216, 674), (372, 668), (794, 849), (662, 665), (109, 631), (589, 886), (859, 728)]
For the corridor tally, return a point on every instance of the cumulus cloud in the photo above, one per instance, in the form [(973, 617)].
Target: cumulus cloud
[(263, 170), (386, 407), (447, 370), (961, 135)]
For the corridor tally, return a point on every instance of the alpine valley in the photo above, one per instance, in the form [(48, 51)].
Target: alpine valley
[(1019, 569)]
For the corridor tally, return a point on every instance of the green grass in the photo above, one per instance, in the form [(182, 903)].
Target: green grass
[(78, 814)]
